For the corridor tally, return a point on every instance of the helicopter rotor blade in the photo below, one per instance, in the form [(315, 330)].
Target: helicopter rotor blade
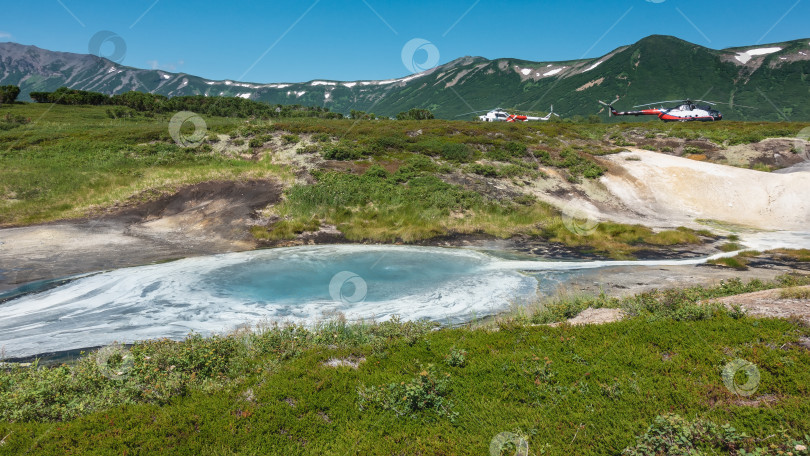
[(659, 102), (610, 106), (722, 102), (473, 112), (528, 112), (711, 102)]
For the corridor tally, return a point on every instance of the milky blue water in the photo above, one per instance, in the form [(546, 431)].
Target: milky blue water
[(218, 293)]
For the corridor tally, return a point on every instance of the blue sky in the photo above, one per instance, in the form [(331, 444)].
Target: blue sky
[(283, 41)]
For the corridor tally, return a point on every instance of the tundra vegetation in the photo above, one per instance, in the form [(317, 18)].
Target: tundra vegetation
[(652, 383), (647, 385), (375, 180)]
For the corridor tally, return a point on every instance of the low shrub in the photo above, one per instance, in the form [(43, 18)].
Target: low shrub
[(456, 358), (290, 139), (428, 391), (484, 170), (456, 152), (674, 436), (341, 152), (256, 143)]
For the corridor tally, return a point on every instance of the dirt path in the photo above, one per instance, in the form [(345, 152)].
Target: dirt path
[(202, 219)]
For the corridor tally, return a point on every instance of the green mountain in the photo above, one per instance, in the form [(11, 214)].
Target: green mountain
[(772, 78)]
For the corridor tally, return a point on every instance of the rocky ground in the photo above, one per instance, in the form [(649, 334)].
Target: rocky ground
[(202, 219), (772, 304)]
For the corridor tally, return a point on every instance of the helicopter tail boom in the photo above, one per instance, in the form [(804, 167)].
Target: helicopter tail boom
[(643, 112)]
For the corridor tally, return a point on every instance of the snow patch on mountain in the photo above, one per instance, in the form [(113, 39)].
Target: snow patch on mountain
[(744, 57), (593, 66)]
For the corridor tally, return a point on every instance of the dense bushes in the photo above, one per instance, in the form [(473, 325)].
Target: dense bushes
[(66, 96), (457, 152), (415, 114), (8, 94), (212, 106), (341, 152)]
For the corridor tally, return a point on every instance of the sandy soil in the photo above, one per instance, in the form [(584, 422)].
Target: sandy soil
[(682, 190), (591, 316), (768, 304), (628, 280), (665, 191)]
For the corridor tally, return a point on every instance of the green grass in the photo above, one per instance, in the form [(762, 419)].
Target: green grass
[(738, 262), (802, 255), (565, 390), (70, 159), (794, 293), (411, 205), (60, 162), (730, 247)]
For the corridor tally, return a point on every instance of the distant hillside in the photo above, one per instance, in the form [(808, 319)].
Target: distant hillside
[(773, 78)]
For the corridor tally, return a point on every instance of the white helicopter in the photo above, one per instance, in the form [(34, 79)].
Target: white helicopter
[(686, 111), (499, 115)]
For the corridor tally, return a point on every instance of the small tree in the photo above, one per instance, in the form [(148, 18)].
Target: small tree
[(9, 93), (357, 114), (415, 114), (40, 97)]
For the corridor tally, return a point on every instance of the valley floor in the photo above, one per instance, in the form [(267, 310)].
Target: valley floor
[(85, 192)]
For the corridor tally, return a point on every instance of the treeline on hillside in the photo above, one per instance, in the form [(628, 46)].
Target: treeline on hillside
[(412, 114), (151, 103)]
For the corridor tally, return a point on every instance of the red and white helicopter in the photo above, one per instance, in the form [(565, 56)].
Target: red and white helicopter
[(685, 111), (499, 115)]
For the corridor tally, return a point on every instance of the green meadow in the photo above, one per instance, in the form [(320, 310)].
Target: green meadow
[(675, 377), (388, 180)]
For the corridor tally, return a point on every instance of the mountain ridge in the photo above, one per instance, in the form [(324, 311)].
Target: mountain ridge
[(656, 67)]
